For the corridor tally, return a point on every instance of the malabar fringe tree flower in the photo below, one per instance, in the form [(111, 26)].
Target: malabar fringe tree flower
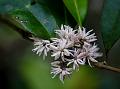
[(60, 68), (71, 49), (61, 49), (41, 46)]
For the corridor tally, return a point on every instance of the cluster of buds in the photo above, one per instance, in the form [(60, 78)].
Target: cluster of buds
[(70, 49)]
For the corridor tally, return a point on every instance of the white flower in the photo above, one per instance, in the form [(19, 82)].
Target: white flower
[(77, 60), (66, 32), (61, 49), (72, 48), (41, 46), (85, 37), (90, 53), (60, 70)]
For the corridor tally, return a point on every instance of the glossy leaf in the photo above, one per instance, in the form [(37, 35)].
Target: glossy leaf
[(37, 20), (110, 23), (44, 16), (77, 8), (30, 23), (60, 12)]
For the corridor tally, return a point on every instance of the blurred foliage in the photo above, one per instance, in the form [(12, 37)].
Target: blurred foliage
[(110, 23), (85, 78), (9, 5), (11, 36), (36, 73)]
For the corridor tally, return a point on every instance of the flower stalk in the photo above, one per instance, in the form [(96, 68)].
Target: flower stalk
[(105, 66)]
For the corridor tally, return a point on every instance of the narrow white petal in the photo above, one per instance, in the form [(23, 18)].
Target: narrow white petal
[(69, 63), (61, 78), (92, 59), (56, 54), (89, 63)]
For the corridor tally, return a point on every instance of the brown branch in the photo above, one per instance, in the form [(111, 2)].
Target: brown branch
[(105, 66)]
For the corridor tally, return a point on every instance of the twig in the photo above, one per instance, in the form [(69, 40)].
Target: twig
[(26, 35), (104, 66)]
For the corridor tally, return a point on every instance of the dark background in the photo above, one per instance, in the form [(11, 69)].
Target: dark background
[(22, 69)]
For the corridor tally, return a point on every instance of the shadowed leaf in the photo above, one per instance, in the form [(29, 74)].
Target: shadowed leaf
[(77, 8), (36, 19), (110, 23)]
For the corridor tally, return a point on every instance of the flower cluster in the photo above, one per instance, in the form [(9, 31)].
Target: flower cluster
[(70, 49)]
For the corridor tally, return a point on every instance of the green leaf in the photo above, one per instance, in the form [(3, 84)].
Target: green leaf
[(110, 23), (77, 8), (44, 16), (30, 23), (56, 8), (60, 12), (36, 19), (8, 5)]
